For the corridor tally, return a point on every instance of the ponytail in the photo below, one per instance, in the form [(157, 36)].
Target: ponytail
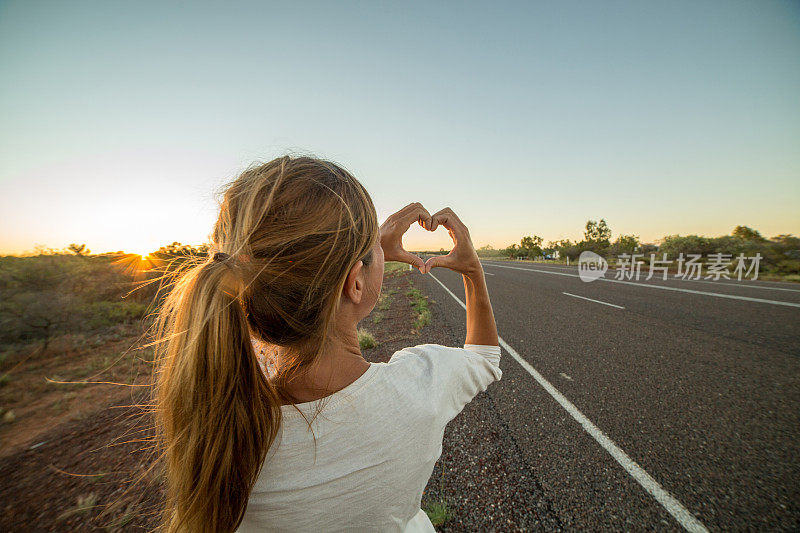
[(294, 227), (215, 409)]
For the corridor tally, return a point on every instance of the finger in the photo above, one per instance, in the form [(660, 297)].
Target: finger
[(411, 259), (449, 220), (409, 209), (417, 214), (403, 214)]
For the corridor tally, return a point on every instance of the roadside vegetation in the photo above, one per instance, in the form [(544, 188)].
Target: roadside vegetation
[(780, 255), (393, 267), (70, 322), (438, 511), (422, 314), (366, 340), (384, 302)]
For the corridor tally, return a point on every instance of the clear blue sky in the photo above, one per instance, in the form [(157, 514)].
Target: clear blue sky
[(119, 119)]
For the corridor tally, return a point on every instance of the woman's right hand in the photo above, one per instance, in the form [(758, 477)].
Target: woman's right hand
[(462, 258)]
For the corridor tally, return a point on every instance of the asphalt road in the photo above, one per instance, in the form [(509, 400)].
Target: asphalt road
[(661, 405)]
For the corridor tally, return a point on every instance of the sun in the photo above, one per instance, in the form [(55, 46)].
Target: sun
[(136, 262), (142, 257)]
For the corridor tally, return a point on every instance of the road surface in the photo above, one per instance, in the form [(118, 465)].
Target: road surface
[(669, 405)]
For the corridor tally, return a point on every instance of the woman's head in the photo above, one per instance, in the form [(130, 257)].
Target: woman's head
[(294, 228), (301, 243)]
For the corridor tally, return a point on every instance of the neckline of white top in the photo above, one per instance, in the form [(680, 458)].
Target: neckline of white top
[(330, 400)]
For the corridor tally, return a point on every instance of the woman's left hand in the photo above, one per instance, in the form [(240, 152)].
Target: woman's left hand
[(393, 229)]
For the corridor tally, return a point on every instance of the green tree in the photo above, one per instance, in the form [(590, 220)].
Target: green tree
[(597, 232), (625, 244), (748, 234), (565, 248), (597, 237), (514, 252), (78, 249), (532, 246)]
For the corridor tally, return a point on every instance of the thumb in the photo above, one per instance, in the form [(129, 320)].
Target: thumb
[(436, 261)]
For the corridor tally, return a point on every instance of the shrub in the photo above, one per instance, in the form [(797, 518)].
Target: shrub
[(366, 340), (104, 314)]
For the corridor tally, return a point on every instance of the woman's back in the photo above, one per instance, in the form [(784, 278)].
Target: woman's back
[(377, 441)]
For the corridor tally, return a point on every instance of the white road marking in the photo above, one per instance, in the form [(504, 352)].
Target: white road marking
[(662, 287), (673, 278), (667, 500), (595, 301), (488, 273), (735, 284)]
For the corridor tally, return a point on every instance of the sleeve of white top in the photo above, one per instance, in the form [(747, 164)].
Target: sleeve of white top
[(453, 376), (490, 352)]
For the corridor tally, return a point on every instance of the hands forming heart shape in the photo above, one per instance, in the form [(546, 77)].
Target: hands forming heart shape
[(462, 258)]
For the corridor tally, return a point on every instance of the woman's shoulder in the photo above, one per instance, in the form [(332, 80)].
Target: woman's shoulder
[(446, 354), (435, 361), (424, 353), (450, 364)]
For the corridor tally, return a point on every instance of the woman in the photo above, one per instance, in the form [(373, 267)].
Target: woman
[(323, 440)]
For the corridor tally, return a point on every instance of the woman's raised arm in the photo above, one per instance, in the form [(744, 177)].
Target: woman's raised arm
[(481, 327)]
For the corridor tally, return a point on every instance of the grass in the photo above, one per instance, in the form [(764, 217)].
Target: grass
[(392, 267), (438, 512), (385, 300), (420, 304), (366, 340)]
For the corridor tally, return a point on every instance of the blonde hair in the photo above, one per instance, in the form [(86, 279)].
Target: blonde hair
[(289, 231)]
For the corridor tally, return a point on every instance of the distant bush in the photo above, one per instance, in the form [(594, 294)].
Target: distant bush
[(104, 314), (55, 293), (779, 255), (625, 244), (488, 252)]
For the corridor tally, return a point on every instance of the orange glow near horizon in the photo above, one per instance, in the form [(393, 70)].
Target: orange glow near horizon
[(134, 264)]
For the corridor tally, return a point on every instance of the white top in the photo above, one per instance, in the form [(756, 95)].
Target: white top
[(377, 441)]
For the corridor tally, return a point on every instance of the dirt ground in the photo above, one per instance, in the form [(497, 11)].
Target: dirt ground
[(74, 456)]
